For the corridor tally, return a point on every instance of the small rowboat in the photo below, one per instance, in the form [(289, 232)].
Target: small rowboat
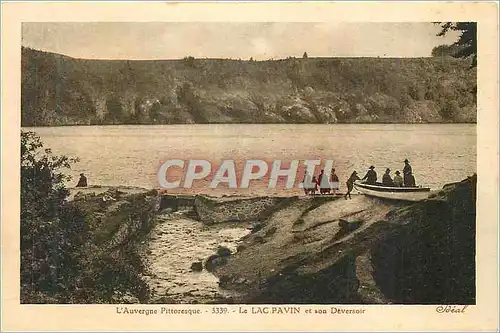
[(392, 192)]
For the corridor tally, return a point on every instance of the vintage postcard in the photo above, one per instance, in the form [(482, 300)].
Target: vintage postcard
[(250, 166)]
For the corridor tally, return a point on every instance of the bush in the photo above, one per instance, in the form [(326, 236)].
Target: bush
[(51, 232), (62, 258), (189, 62)]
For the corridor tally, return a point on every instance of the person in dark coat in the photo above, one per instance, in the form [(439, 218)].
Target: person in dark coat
[(314, 187), (82, 182), (307, 180), (371, 176), (334, 181), (320, 176), (407, 167), (408, 178), (350, 184), (411, 181), (386, 179)]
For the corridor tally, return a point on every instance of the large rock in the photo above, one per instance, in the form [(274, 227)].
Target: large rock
[(197, 266), (223, 251), (214, 261)]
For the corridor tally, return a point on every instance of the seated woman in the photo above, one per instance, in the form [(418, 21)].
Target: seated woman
[(386, 179), (398, 180), (82, 182)]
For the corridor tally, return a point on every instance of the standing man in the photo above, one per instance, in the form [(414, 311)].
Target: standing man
[(371, 176), (408, 179)]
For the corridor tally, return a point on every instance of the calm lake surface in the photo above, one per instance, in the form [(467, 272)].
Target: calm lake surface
[(131, 155)]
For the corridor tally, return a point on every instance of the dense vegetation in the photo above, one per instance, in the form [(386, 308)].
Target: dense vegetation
[(70, 252), (466, 44), (59, 90)]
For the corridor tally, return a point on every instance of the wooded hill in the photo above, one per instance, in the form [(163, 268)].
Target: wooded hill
[(60, 90)]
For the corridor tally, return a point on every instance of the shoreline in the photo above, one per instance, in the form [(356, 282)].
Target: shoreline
[(344, 246), (100, 189), (360, 253), (221, 123)]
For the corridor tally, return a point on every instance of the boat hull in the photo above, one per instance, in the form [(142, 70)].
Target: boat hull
[(393, 193)]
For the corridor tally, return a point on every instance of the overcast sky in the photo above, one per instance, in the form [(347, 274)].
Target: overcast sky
[(233, 40)]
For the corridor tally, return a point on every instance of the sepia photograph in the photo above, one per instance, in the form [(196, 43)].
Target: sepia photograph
[(273, 163), (249, 166)]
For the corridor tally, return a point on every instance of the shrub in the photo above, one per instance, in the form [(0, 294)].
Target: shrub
[(51, 233), (189, 62), (62, 260)]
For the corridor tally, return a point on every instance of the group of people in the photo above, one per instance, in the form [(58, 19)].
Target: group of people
[(323, 183), (408, 180)]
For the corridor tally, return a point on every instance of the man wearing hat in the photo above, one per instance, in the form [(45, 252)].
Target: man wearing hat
[(407, 174), (371, 176), (82, 182), (386, 179), (398, 180)]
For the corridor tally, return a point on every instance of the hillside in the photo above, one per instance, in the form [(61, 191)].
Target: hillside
[(59, 90)]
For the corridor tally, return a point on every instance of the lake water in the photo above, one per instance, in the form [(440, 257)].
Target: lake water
[(131, 155)]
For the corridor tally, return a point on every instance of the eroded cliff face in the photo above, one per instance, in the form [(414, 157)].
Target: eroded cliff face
[(381, 252), (110, 264), (59, 90)]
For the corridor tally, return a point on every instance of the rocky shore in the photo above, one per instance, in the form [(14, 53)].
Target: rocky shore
[(323, 249), (118, 222), (362, 251)]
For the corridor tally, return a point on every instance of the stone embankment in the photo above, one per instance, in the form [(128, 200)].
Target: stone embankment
[(212, 211)]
